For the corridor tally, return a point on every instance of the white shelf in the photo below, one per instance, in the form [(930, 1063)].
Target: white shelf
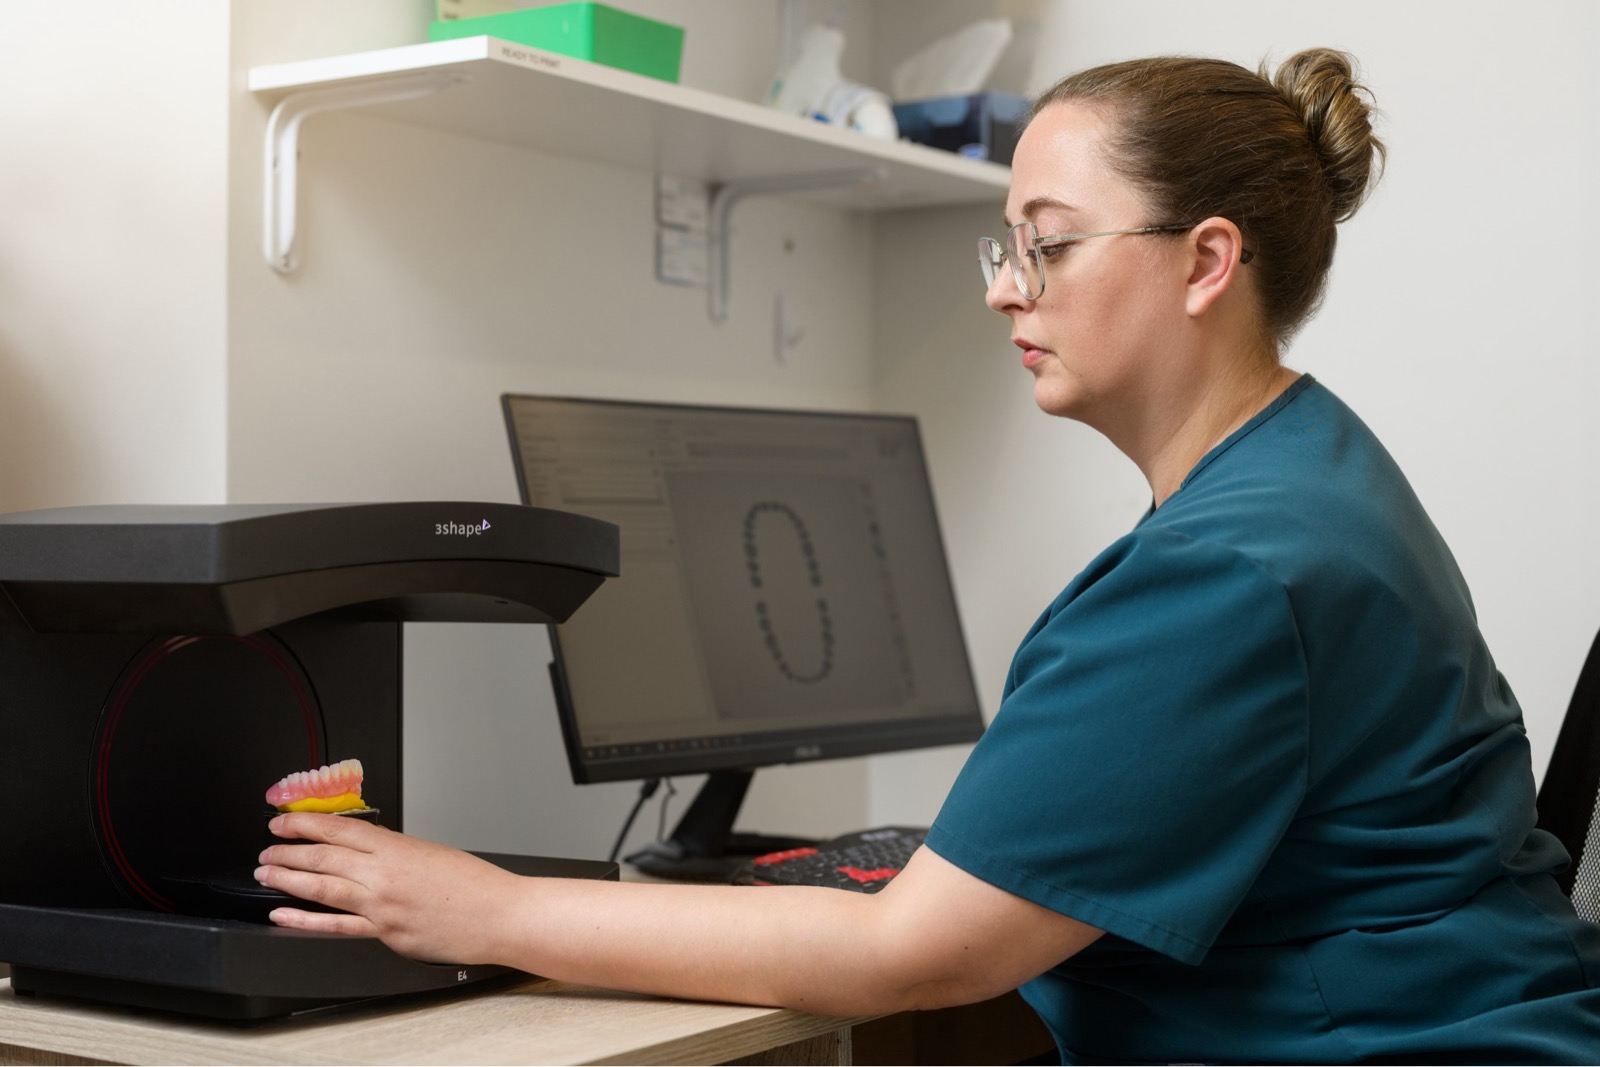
[(569, 107)]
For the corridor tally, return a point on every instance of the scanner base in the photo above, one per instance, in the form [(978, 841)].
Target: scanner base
[(227, 969)]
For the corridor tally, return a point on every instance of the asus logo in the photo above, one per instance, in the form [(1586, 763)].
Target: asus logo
[(808, 752), (459, 529)]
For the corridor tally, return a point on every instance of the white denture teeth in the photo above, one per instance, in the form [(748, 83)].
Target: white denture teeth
[(326, 781)]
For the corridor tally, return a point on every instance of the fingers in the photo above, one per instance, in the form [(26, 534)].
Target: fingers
[(286, 875), (328, 872), (332, 829), (332, 870), (323, 922), (318, 859)]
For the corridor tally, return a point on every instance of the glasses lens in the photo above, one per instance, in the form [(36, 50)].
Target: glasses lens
[(990, 257), (1022, 248)]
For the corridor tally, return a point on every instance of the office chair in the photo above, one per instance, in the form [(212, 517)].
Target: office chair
[(1569, 798)]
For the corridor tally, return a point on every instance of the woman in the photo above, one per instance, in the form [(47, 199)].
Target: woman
[(1255, 791)]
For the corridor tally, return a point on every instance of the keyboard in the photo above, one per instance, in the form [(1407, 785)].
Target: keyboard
[(864, 862)]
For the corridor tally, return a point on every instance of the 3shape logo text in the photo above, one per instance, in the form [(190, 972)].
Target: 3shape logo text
[(460, 529)]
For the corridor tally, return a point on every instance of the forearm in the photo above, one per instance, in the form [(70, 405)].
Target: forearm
[(814, 949)]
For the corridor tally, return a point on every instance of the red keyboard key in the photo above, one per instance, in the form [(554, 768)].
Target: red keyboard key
[(787, 854)]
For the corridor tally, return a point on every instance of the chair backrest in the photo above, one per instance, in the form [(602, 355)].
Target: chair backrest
[(1569, 797)]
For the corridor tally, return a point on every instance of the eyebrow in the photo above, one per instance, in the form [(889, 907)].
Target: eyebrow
[(1032, 207)]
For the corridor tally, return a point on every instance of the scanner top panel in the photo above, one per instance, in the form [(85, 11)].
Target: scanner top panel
[(240, 568), (226, 543)]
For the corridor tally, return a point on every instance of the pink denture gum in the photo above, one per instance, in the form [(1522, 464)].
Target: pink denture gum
[(334, 788)]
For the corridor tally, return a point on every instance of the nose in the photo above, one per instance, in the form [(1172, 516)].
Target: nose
[(1003, 295)]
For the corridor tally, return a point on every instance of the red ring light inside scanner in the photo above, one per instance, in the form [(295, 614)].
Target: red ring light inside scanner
[(189, 739)]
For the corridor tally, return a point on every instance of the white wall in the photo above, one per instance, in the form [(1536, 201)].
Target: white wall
[(1458, 323), (112, 249)]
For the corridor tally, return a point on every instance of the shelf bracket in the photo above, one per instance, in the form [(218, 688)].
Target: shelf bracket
[(282, 148), (730, 193)]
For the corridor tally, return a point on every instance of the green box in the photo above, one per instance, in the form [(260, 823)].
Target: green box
[(595, 32)]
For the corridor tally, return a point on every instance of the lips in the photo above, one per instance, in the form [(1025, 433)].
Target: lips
[(1032, 354)]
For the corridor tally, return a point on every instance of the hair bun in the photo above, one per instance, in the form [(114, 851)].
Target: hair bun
[(1320, 84)]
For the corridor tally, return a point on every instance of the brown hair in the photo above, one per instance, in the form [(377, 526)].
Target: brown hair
[(1284, 158)]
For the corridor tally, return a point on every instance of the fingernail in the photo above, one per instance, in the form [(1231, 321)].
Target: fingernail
[(261, 873)]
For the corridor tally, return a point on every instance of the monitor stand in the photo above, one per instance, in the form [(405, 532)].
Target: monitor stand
[(704, 847)]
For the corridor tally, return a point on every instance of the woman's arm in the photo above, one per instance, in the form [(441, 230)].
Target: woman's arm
[(935, 936)]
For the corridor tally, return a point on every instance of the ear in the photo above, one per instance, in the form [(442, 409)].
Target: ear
[(1216, 245)]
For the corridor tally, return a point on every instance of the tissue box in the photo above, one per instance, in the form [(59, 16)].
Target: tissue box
[(979, 126), (595, 32)]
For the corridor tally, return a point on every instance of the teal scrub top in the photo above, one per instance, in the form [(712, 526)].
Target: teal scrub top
[(1259, 741)]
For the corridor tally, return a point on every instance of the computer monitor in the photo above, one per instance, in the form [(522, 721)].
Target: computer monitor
[(783, 597)]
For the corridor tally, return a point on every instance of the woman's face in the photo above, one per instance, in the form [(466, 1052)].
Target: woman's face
[(1112, 306)]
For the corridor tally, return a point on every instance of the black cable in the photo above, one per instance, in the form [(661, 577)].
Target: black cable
[(646, 791), (661, 822)]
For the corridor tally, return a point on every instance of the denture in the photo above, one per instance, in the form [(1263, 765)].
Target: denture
[(333, 788)]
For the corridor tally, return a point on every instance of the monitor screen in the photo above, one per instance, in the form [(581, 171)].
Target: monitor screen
[(783, 596)]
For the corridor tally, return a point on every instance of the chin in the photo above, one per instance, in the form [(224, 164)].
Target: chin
[(1055, 397)]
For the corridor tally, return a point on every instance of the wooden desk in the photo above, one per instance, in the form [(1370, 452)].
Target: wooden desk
[(531, 1021)]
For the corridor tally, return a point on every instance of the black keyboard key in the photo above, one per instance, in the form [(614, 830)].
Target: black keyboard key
[(864, 862)]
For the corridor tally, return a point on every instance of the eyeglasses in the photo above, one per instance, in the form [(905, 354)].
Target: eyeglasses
[(1024, 246)]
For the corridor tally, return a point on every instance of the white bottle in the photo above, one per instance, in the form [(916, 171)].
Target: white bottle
[(802, 88)]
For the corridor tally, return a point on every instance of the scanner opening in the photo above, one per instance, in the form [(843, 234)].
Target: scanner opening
[(188, 740)]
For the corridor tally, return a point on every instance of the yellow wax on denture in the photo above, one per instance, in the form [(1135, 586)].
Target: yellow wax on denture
[(342, 802)]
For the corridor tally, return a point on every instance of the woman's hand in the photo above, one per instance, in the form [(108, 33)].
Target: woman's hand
[(424, 900)]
